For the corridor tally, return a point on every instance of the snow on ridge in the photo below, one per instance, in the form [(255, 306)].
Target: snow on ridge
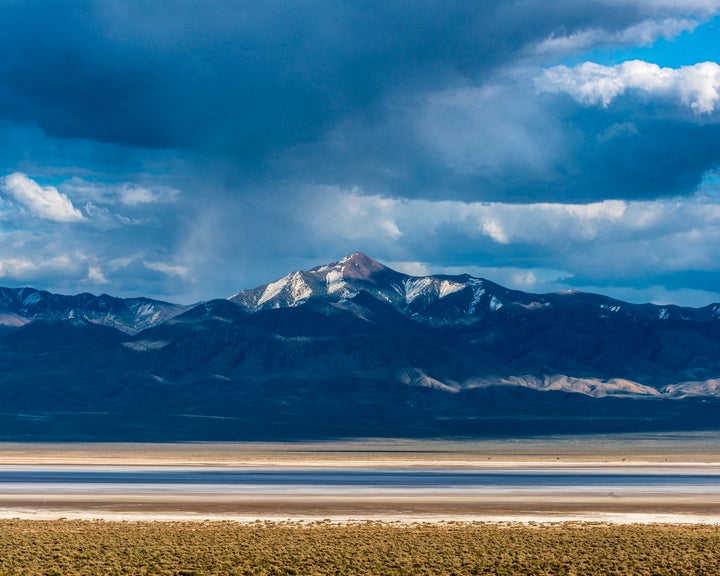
[(299, 289), (416, 287), (32, 298), (147, 310), (293, 285), (495, 304), (334, 280), (610, 308), (478, 293), (663, 314), (448, 287), (273, 289)]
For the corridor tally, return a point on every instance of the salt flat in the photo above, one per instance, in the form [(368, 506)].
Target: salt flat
[(681, 447), (677, 457)]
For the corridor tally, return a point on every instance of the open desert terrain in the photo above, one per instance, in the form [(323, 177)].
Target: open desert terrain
[(60, 515), (585, 480)]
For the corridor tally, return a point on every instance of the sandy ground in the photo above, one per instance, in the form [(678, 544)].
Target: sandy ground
[(699, 448), (681, 452), (429, 507)]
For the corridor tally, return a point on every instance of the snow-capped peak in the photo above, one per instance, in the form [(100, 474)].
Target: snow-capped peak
[(421, 297), (292, 286)]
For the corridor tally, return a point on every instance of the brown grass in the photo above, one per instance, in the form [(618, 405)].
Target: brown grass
[(185, 548)]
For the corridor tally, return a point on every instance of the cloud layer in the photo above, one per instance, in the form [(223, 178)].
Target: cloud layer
[(187, 153)]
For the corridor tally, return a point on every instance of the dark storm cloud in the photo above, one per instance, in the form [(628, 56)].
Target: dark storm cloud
[(271, 84)]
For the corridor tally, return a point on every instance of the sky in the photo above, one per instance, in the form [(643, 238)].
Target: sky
[(186, 151)]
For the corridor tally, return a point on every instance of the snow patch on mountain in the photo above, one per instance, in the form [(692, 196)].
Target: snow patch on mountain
[(299, 290), (31, 299), (416, 287), (334, 281), (293, 285), (447, 287), (478, 293), (273, 289)]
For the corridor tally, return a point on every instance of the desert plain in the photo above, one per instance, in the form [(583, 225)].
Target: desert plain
[(675, 454)]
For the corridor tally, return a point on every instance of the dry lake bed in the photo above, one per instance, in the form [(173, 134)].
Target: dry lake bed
[(644, 478)]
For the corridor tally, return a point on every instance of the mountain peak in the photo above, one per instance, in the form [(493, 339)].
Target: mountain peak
[(359, 265)]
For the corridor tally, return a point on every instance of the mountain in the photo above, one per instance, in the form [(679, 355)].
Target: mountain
[(354, 348), (442, 299), (18, 306), (436, 300)]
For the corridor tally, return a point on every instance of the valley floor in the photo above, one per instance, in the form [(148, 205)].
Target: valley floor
[(679, 455), (680, 447)]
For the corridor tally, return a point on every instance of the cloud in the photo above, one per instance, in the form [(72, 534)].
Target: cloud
[(166, 268), (132, 195), (43, 201), (610, 241), (40, 265), (250, 80), (695, 86), (96, 276), (492, 129), (421, 99), (16, 267), (126, 193), (641, 34), (209, 151)]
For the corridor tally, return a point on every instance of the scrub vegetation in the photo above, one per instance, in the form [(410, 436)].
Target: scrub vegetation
[(31, 547)]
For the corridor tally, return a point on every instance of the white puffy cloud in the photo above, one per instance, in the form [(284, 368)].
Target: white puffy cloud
[(696, 86), (544, 223), (43, 201)]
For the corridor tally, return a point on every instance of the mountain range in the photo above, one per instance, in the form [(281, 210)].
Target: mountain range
[(353, 349)]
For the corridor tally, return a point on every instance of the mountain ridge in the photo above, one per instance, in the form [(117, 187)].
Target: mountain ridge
[(341, 280), (19, 306), (353, 348), (417, 295)]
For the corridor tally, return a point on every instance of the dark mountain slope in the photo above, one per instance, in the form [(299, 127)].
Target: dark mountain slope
[(354, 348)]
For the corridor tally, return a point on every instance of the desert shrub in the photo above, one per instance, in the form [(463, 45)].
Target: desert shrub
[(284, 548)]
